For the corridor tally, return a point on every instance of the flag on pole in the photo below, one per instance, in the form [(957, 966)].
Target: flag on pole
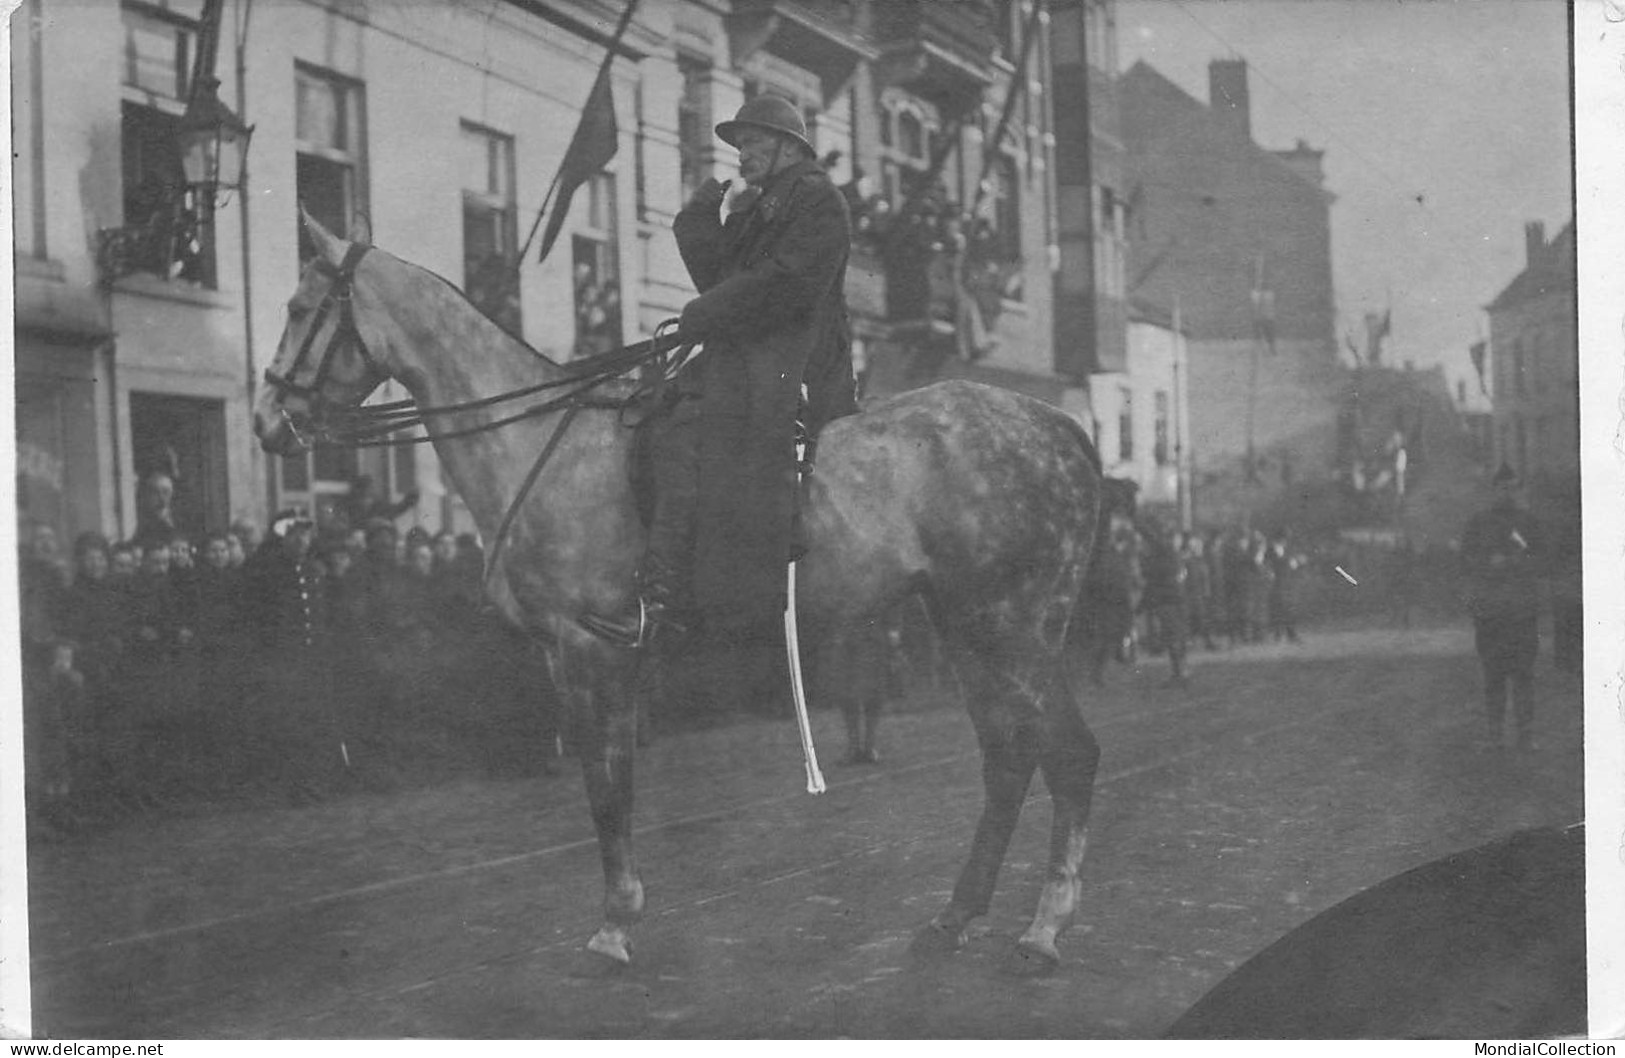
[(593, 145), (591, 148)]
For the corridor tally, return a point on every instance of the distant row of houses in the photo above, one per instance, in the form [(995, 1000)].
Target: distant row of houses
[(1027, 215)]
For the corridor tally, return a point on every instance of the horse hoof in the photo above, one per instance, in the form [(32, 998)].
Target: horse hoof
[(613, 945), (1032, 958), (935, 941)]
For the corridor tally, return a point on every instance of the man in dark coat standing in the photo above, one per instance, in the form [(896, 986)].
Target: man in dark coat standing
[(1503, 556), (770, 320)]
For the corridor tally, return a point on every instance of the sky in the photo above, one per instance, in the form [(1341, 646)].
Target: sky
[(1446, 126)]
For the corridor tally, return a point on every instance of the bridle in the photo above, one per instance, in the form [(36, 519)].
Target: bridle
[(376, 425), (338, 294)]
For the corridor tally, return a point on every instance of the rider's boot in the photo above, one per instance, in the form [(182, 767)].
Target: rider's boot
[(653, 618)]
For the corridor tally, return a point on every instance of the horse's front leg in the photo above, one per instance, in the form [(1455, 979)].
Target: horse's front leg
[(603, 705)]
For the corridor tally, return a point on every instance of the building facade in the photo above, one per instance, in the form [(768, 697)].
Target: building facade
[(1241, 237), (1142, 413), (140, 341), (1535, 366)]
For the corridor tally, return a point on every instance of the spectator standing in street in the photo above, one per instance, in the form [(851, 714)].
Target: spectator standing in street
[(284, 589), (247, 535), (1098, 623), (1284, 564), (1502, 556), (1164, 599), (236, 553), (1198, 589), (183, 574), (1237, 575), (154, 608), (219, 603), (52, 686), (94, 613), (124, 561)]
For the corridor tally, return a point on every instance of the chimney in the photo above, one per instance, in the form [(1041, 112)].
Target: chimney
[(1227, 93), (1534, 241)]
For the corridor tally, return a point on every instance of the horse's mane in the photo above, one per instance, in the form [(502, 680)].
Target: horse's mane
[(463, 296)]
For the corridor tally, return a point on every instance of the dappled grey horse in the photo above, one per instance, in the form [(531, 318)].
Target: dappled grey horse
[(982, 500)]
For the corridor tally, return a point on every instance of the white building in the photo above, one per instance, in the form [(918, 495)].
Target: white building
[(1142, 415)]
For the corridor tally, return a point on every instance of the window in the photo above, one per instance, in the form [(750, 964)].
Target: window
[(490, 225), (159, 49), (1125, 425), (1159, 443), (330, 138), (177, 239), (693, 124), (595, 271), (1519, 385)]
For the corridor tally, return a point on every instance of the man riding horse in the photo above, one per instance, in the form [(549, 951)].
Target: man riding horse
[(775, 343)]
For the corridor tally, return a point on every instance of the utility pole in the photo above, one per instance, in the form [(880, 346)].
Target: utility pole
[(1182, 483), (1263, 326)]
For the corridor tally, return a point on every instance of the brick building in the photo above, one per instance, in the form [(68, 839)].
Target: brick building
[(1241, 237)]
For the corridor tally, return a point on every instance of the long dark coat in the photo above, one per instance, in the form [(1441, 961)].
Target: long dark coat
[(771, 315)]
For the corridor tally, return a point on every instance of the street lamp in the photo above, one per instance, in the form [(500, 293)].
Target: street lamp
[(213, 144)]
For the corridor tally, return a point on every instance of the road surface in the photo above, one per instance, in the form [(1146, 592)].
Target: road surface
[(1284, 779)]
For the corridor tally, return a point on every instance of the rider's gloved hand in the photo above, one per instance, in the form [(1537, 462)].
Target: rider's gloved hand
[(709, 194)]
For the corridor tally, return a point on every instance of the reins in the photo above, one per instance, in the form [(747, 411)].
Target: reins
[(371, 426)]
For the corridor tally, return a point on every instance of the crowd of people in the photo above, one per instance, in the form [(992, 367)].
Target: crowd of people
[(124, 640), (1158, 588)]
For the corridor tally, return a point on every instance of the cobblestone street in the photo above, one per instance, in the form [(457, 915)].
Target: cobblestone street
[(1283, 780)]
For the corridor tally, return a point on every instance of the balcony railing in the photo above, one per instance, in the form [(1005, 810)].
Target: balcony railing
[(941, 50), (823, 36), (946, 276)]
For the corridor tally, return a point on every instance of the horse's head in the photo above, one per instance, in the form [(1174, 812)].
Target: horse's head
[(328, 358)]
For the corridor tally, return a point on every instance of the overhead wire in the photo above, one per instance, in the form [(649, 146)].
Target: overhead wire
[(1418, 197)]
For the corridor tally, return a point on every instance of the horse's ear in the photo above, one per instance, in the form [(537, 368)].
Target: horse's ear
[(327, 244), (361, 229)]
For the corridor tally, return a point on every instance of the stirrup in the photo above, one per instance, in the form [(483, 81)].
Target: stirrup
[(622, 634)]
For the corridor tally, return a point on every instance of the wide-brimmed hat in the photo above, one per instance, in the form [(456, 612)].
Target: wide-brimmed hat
[(774, 114)]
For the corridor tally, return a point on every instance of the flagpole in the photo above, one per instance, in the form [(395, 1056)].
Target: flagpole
[(603, 71), (1018, 88)]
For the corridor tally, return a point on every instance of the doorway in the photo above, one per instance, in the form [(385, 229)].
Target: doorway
[(184, 437)]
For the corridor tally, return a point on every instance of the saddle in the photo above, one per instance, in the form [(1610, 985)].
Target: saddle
[(642, 414)]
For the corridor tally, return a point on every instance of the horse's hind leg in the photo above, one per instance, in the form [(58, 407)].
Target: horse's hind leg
[(1069, 760), (1008, 734)]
